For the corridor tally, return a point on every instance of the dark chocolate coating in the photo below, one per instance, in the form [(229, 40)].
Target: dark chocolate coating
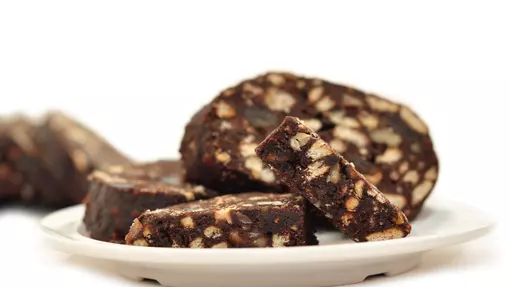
[(72, 151), (387, 141), (247, 220), (305, 162), (118, 194)]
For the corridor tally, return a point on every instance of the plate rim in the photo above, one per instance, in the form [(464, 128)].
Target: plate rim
[(299, 254)]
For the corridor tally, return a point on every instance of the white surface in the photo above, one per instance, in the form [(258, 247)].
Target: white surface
[(136, 71), (336, 261), (441, 223)]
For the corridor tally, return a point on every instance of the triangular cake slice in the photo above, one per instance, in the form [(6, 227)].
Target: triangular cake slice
[(307, 164)]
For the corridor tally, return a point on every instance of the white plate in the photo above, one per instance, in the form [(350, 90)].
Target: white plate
[(336, 261)]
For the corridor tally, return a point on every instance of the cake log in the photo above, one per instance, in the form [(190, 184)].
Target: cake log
[(387, 141)]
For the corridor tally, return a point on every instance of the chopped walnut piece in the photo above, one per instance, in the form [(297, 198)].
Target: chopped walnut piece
[(224, 110), (278, 100), (413, 120), (212, 232), (197, 243), (315, 94)]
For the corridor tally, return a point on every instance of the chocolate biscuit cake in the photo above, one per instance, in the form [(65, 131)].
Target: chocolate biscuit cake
[(246, 220), (72, 151), (28, 174), (118, 194), (306, 163), (387, 141)]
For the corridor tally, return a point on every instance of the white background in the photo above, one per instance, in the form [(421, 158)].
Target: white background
[(136, 71)]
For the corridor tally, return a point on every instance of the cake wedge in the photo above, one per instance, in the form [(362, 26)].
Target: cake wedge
[(310, 167)]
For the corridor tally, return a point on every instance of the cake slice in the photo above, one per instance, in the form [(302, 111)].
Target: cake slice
[(72, 151), (118, 194), (307, 164), (247, 220), (23, 172)]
